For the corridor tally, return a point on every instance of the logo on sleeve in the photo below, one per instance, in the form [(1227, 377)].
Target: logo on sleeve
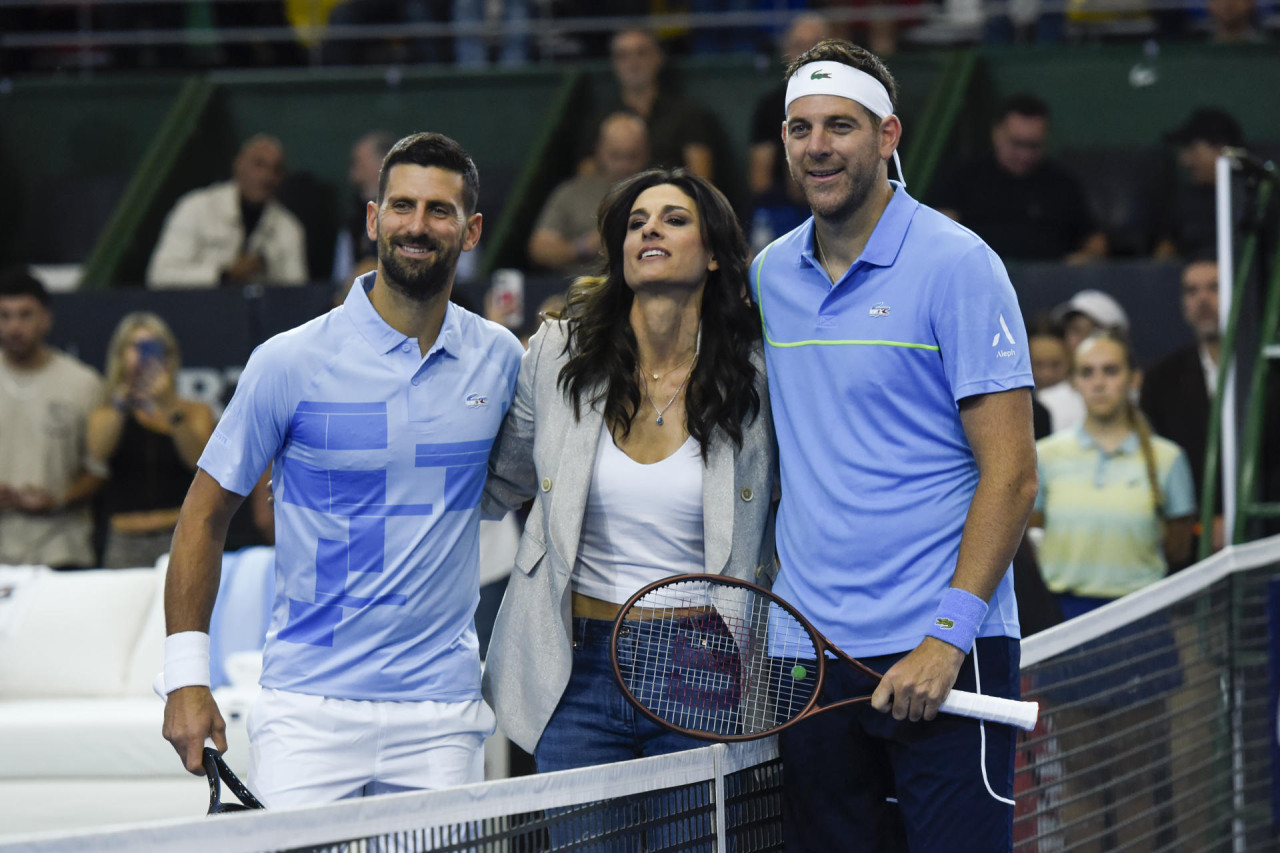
[(474, 401), (1008, 336)]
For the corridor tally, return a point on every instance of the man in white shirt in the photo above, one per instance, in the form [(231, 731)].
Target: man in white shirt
[(233, 232)]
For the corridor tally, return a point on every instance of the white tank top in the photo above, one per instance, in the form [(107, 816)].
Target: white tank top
[(642, 522)]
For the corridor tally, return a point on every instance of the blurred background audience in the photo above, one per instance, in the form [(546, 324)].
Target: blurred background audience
[(234, 232), (682, 132), (121, 131), (45, 398), (1021, 202), (565, 238), (146, 440)]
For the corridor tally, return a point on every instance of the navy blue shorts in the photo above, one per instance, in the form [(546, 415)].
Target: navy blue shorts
[(951, 778)]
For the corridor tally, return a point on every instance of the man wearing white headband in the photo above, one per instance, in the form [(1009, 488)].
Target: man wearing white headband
[(900, 381)]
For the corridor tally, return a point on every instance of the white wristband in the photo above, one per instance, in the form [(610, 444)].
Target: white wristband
[(186, 660)]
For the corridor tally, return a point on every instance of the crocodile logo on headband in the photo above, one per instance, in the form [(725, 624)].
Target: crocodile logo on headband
[(820, 75)]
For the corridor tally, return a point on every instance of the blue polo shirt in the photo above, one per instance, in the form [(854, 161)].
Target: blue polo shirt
[(380, 457), (865, 377)]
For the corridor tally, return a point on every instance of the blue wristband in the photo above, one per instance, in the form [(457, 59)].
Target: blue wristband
[(958, 618)]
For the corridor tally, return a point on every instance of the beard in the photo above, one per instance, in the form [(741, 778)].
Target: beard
[(840, 200), (421, 280)]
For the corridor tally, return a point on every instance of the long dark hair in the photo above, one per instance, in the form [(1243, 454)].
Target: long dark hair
[(602, 346)]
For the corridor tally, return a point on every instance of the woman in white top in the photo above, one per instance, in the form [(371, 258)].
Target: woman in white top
[(641, 428)]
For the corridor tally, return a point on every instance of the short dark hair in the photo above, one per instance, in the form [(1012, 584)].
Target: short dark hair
[(18, 281), (434, 149), (1044, 326), (1023, 104), (848, 53)]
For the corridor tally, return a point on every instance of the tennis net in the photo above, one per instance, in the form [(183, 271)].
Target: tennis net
[(667, 803), (1156, 733), (1157, 717)]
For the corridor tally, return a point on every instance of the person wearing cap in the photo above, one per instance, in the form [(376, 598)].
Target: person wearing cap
[(899, 371), (1025, 205), (1089, 311), (1189, 228), (1085, 313)]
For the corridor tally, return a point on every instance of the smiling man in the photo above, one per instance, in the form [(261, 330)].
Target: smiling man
[(378, 418), (900, 382)]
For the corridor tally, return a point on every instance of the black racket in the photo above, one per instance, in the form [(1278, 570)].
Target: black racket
[(725, 660), (219, 773)]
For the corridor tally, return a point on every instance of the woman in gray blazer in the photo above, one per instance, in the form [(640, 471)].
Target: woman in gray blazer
[(641, 428)]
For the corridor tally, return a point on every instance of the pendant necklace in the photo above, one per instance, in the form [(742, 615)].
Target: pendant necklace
[(697, 348), (663, 410)]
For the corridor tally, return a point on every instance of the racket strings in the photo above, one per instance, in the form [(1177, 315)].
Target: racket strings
[(717, 659)]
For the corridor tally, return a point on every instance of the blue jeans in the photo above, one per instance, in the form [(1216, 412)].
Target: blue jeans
[(595, 724)]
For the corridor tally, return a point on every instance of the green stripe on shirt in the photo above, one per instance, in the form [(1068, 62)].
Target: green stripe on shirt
[(819, 343)]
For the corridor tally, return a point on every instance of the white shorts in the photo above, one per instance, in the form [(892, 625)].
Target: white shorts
[(306, 750)]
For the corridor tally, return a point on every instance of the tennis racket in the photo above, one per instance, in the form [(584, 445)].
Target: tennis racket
[(220, 774), (723, 659), (217, 772)]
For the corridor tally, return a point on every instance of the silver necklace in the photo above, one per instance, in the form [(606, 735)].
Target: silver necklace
[(821, 257), (657, 376), (663, 410)]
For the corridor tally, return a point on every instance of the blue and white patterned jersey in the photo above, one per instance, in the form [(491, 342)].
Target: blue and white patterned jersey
[(380, 458)]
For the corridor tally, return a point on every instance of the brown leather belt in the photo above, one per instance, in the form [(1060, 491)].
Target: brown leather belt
[(586, 607)]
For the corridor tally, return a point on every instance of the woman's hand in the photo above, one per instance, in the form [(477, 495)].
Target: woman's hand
[(152, 390)]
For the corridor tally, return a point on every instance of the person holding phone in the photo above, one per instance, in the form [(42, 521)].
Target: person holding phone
[(144, 442)]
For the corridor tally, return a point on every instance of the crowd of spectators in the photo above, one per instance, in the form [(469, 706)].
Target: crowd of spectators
[(93, 471), (67, 439), (475, 33)]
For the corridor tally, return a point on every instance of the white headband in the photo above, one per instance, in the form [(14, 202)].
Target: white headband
[(843, 81)]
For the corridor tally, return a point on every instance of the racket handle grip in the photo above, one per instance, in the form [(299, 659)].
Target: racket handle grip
[(992, 708)]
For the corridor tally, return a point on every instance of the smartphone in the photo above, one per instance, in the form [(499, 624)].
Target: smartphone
[(150, 350)]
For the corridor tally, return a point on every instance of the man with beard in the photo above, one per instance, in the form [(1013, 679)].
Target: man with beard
[(45, 400), (378, 418), (896, 529), (1177, 390)]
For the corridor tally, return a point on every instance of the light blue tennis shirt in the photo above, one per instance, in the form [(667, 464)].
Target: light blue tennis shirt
[(380, 457), (865, 377)]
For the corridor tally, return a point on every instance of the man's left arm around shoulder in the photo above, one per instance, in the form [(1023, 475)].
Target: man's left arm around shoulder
[(998, 427)]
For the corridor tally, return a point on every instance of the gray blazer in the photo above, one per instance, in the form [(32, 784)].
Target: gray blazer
[(544, 453)]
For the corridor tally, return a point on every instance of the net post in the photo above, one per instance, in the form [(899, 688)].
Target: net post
[(722, 826), (1227, 391)]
